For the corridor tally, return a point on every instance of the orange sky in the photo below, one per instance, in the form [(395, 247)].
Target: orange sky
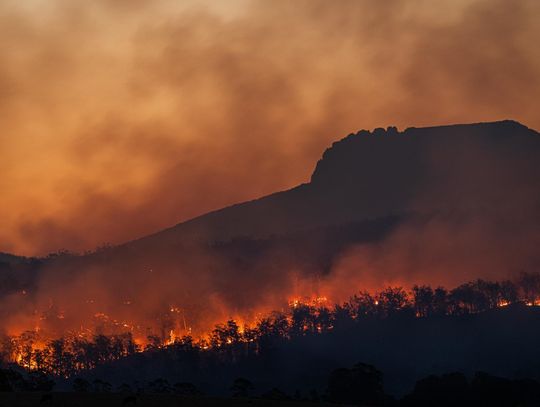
[(119, 118)]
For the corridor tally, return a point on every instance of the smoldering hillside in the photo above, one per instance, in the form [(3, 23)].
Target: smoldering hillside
[(437, 205)]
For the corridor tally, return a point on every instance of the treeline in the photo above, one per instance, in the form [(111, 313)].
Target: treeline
[(362, 384), (315, 317), (65, 356), (229, 342)]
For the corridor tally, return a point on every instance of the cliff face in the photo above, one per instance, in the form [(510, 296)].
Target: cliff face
[(385, 159), (387, 171)]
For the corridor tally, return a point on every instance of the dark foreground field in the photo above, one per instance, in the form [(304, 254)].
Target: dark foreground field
[(69, 399)]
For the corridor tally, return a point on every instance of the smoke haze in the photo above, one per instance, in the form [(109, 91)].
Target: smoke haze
[(438, 206), (121, 118)]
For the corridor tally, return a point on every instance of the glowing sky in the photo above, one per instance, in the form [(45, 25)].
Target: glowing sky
[(119, 118)]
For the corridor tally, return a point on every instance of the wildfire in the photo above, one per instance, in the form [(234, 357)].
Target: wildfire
[(171, 339), (121, 336), (314, 301)]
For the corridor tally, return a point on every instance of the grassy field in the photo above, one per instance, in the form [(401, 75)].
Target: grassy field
[(21, 399)]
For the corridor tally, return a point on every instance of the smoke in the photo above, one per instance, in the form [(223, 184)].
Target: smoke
[(121, 118), (473, 213), (188, 292)]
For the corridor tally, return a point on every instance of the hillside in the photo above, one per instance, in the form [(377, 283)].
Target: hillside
[(501, 342), (438, 205)]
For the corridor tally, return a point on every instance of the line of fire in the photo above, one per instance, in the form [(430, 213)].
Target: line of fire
[(45, 347)]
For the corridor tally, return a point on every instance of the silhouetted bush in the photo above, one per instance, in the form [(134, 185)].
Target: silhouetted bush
[(450, 389), (360, 385)]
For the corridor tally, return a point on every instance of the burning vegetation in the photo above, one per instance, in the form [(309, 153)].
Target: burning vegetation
[(105, 339)]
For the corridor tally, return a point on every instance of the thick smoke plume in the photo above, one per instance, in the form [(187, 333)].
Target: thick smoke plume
[(120, 118)]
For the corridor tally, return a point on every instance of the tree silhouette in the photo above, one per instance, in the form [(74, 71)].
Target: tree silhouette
[(440, 301), (529, 284), (464, 299), (362, 305), (360, 385), (302, 320), (508, 292), (342, 318), (424, 299), (392, 300), (447, 390)]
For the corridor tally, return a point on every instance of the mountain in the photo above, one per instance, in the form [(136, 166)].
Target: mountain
[(438, 205), (7, 258), (369, 175)]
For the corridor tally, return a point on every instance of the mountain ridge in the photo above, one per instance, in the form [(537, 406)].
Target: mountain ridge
[(200, 226)]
